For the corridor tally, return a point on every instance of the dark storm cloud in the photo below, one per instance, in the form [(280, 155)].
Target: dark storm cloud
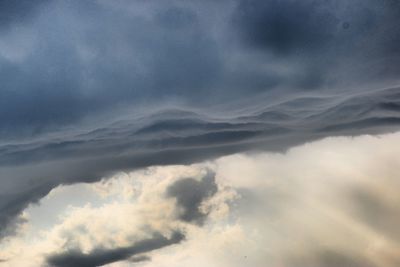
[(89, 88), (96, 56), (190, 193), (18, 12), (76, 67), (336, 42), (99, 257), (286, 26)]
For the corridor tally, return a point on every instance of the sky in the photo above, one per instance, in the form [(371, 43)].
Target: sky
[(199, 133)]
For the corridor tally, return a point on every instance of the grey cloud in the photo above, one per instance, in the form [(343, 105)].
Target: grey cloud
[(74, 70), (180, 137), (95, 58), (12, 204), (190, 193), (18, 12), (170, 130), (377, 212), (329, 258), (286, 26), (100, 257), (139, 258), (328, 38)]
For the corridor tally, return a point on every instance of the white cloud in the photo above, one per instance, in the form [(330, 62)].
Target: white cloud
[(328, 203)]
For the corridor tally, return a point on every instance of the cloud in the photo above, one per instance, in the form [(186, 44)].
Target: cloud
[(145, 218), (13, 204), (370, 207), (179, 58), (325, 203), (139, 259), (18, 13), (190, 193), (286, 27), (108, 87), (326, 37), (100, 257), (179, 137), (330, 259)]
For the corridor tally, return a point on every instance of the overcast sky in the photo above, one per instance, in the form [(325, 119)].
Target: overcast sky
[(97, 96)]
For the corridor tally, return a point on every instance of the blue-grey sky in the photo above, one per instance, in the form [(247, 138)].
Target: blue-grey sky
[(92, 88)]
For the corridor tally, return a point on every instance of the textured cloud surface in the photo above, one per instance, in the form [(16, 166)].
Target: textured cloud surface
[(329, 203), (93, 88)]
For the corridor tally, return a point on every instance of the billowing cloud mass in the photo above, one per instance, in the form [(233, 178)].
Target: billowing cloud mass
[(91, 89), (329, 203)]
